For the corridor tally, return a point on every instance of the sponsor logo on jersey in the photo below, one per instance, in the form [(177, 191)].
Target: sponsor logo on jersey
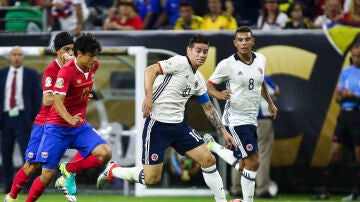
[(30, 155), (48, 82), (93, 77), (249, 147), (196, 84), (44, 155), (261, 71), (240, 73), (59, 83), (154, 157)]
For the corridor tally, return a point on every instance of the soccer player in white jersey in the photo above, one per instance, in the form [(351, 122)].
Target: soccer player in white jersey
[(168, 86), (243, 74)]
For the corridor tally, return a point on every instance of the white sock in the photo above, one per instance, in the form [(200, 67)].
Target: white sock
[(248, 185), (225, 154), (132, 174), (214, 182)]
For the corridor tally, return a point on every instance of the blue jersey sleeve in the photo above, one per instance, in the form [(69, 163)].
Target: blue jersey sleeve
[(204, 98), (269, 82)]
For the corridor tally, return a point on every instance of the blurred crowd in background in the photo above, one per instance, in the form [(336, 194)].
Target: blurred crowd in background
[(79, 15)]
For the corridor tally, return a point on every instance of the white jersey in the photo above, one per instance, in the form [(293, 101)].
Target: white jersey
[(244, 81), (69, 20), (172, 90)]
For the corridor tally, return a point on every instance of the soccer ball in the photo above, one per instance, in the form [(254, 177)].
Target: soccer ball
[(235, 200), (273, 189)]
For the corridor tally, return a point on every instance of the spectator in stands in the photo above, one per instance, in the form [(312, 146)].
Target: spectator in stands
[(353, 15), (187, 19), (149, 11), (333, 13), (229, 7), (271, 18), (124, 18), (72, 15), (217, 19), (53, 23), (169, 15), (297, 19), (29, 19), (247, 12), (99, 10)]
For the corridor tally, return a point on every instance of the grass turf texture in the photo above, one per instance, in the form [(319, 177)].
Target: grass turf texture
[(120, 198)]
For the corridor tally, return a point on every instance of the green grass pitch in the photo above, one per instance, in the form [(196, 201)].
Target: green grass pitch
[(121, 198)]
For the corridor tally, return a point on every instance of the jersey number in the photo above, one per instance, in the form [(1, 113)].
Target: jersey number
[(251, 84)]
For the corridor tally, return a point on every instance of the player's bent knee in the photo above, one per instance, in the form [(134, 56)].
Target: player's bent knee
[(31, 168), (252, 165), (47, 175), (152, 180), (208, 160), (103, 152)]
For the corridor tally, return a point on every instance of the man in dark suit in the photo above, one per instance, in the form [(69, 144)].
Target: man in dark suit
[(20, 101)]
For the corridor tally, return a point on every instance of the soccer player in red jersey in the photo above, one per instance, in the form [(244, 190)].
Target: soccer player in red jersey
[(63, 44), (66, 127)]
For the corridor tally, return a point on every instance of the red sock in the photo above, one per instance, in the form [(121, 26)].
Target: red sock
[(20, 180), (77, 156), (37, 188), (90, 161)]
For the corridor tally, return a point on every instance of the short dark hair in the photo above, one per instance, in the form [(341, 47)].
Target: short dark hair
[(62, 39), (356, 45), (185, 4), (199, 38), (243, 29), (87, 43)]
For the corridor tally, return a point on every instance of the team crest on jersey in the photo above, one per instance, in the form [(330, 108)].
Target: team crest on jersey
[(154, 157), (59, 83), (30, 155), (261, 71), (44, 155), (48, 82), (196, 84), (249, 147), (240, 73), (78, 81), (168, 62)]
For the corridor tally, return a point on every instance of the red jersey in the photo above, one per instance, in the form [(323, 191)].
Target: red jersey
[(135, 22), (48, 82), (346, 18), (76, 85)]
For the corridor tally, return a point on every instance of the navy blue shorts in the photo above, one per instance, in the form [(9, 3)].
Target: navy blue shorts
[(34, 142), (158, 136), (57, 139), (246, 139)]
